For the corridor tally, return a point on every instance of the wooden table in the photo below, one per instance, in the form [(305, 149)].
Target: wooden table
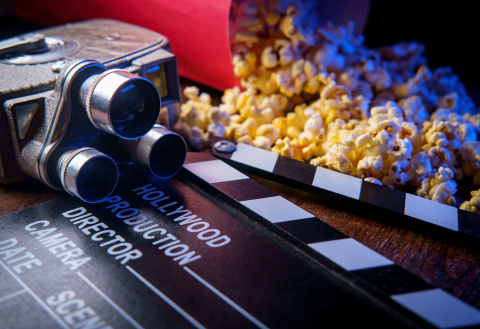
[(448, 261)]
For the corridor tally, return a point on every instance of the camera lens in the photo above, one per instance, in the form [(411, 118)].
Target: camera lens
[(87, 174), (167, 155), (160, 152), (130, 110), (121, 103), (96, 178)]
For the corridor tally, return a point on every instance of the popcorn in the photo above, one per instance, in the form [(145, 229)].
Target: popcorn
[(318, 95), (442, 133), (373, 180), (474, 204), (466, 133), (418, 168), (269, 131), (272, 18), (313, 129), (229, 99), (262, 142), (269, 59), (285, 52), (413, 85), (191, 92), (284, 148), (439, 187), (370, 162), (244, 63), (247, 128), (394, 174), (310, 151), (246, 139), (197, 138), (217, 115), (401, 150), (194, 117), (216, 129), (414, 110)]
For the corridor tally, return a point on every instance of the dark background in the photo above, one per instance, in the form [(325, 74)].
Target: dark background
[(450, 30)]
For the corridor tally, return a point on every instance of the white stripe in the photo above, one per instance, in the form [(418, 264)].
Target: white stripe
[(350, 254), (177, 308), (276, 209), (226, 299), (38, 299), (431, 211), (14, 294), (337, 182), (255, 157), (109, 301), (214, 171), (439, 308)]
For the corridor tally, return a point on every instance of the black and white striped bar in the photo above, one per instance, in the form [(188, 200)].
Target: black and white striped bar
[(431, 304), (344, 188)]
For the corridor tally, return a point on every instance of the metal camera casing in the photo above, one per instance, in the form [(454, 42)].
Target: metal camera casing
[(43, 114)]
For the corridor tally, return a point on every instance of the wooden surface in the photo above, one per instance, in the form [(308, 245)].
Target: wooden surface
[(447, 260)]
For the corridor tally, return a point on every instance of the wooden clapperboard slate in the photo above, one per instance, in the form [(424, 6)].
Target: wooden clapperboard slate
[(141, 260)]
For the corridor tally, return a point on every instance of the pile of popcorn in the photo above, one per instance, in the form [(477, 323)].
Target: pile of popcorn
[(320, 96)]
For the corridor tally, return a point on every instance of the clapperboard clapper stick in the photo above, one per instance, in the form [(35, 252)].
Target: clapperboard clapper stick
[(348, 190), (325, 244)]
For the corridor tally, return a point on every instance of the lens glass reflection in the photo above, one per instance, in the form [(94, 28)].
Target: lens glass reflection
[(167, 156), (96, 179), (132, 109)]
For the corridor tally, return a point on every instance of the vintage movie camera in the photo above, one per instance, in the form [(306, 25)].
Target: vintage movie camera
[(79, 98)]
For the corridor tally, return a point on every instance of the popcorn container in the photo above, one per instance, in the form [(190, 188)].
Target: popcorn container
[(199, 30)]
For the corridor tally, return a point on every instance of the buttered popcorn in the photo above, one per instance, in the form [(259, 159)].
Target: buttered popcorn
[(320, 96)]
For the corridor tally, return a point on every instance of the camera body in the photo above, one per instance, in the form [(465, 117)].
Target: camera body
[(81, 86)]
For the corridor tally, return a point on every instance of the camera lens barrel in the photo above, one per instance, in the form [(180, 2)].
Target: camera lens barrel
[(160, 152), (87, 174), (121, 103)]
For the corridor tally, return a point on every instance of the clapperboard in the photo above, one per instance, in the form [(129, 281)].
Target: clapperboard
[(209, 248), (349, 190)]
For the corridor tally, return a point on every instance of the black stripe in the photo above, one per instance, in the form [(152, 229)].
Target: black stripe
[(383, 196), (244, 189), (393, 279), (311, 230), (294, 169), (199, 157), (469, 223)]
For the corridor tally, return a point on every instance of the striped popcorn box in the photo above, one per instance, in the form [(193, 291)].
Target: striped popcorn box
[(324, 243)]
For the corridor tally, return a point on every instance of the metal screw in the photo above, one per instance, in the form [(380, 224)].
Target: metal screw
[(224, 146), (58, 66), (113, 37)]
